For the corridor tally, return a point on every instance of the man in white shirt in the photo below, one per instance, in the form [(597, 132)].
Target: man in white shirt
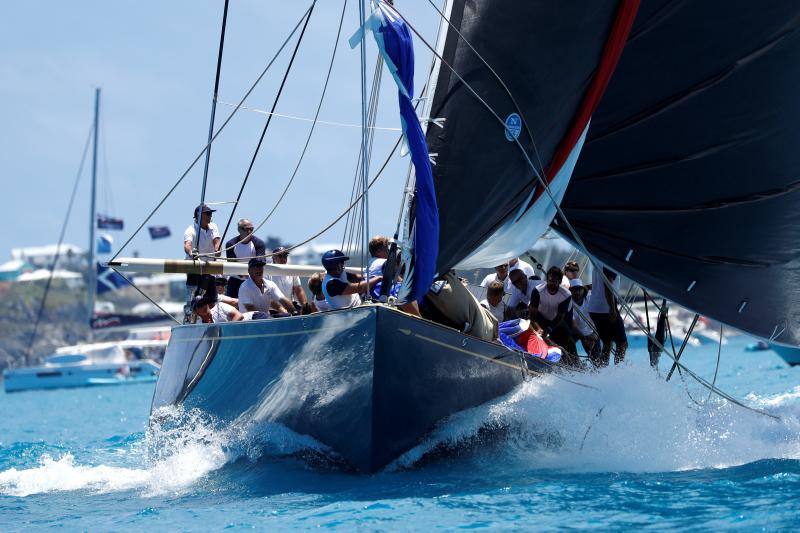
[(259, 294), (494, 301), (242, 248), (602, 308), (202, 240), (521, 289), (378, 254), (211, 311), (582, 325), (289, 285), (501, 275), (549, 307)]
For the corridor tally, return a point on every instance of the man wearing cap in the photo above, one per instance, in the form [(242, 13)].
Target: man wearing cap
[(341, 289), (582, 325), (259, 294), (241, 249), (204, 235), (289, 285), (221, 282)]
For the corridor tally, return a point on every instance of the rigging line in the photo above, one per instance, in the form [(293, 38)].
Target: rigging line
[(196, 242), (375, 89), (313, 124), (224, 124), (362, 20), (132, 284), (352, 206), (573, 232), (683, 346), (269, 120), (716, 368), (306, 119), (56, 256), (497, 77)]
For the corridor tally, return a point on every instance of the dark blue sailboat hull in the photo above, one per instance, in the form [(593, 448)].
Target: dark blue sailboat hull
[(368, 382)]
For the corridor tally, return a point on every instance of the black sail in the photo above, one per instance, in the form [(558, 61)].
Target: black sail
[(547, 53), (691, 169)]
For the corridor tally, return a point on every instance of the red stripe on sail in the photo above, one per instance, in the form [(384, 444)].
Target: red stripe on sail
[(618, 36)]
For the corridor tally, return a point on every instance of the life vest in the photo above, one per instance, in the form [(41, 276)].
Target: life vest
[(343, 300)]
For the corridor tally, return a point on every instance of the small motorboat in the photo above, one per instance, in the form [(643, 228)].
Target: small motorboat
[(85, 365)]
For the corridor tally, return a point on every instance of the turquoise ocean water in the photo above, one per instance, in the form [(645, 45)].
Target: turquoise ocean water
[(652, 457)]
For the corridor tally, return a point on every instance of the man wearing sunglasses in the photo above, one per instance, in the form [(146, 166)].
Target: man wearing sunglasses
[(241, 249)]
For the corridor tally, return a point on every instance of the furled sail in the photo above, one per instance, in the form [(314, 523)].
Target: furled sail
[(541, 67), (689, 181)]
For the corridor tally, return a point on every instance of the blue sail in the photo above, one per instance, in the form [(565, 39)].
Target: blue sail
[(396, 46)]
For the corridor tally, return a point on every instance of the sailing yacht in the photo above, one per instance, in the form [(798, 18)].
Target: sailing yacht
[(135, 359), (672, 188)]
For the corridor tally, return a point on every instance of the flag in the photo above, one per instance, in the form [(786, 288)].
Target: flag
[(104, 242), (107, 222), (159, 232), (108, 279)]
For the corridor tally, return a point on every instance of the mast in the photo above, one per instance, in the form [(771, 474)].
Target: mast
[(364, 134), (196, 243), (92, 215)]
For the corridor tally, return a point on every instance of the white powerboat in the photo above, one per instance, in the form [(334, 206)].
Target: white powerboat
[(83, 365)]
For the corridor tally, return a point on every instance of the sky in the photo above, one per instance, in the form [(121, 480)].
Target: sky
[(155, 63)]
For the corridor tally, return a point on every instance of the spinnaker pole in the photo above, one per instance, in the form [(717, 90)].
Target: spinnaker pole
[(92, 214)]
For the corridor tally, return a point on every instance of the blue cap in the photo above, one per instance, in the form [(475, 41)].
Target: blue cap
[(333, 257), (256, 262)]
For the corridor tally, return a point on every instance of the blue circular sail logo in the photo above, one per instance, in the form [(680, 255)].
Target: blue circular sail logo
[(513, 127)]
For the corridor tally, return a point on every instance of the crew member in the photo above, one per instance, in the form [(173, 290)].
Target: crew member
[(378, 254), (603, 310), (259, 294), (549, 306), (207, 249), (289, 285), (241, 249), (522, 287), (582, 326), (341, 289), (501, 275), (494, 301), (318, 301)]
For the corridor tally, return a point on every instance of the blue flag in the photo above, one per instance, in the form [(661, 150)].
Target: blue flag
[(104, 242), (159, 232), (107, 222), (108, 279), (394, 41)]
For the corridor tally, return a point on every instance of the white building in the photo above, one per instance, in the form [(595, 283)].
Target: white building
[(70, 257)]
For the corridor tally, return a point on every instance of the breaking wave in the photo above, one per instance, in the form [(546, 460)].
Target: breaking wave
[(178, 451), (631, 420)]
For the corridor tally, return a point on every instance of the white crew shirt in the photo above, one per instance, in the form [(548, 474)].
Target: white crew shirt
[(493, 277), (322, 305), (518, 296), (244, 252), (580, 317), (207, 236), (375, 267), (522, 265), (498, 312), (250, 293), (549, 303), (285, 284), (597, 303), (221, 312)]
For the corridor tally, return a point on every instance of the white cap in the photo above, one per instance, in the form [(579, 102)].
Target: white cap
[(575, 283)]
